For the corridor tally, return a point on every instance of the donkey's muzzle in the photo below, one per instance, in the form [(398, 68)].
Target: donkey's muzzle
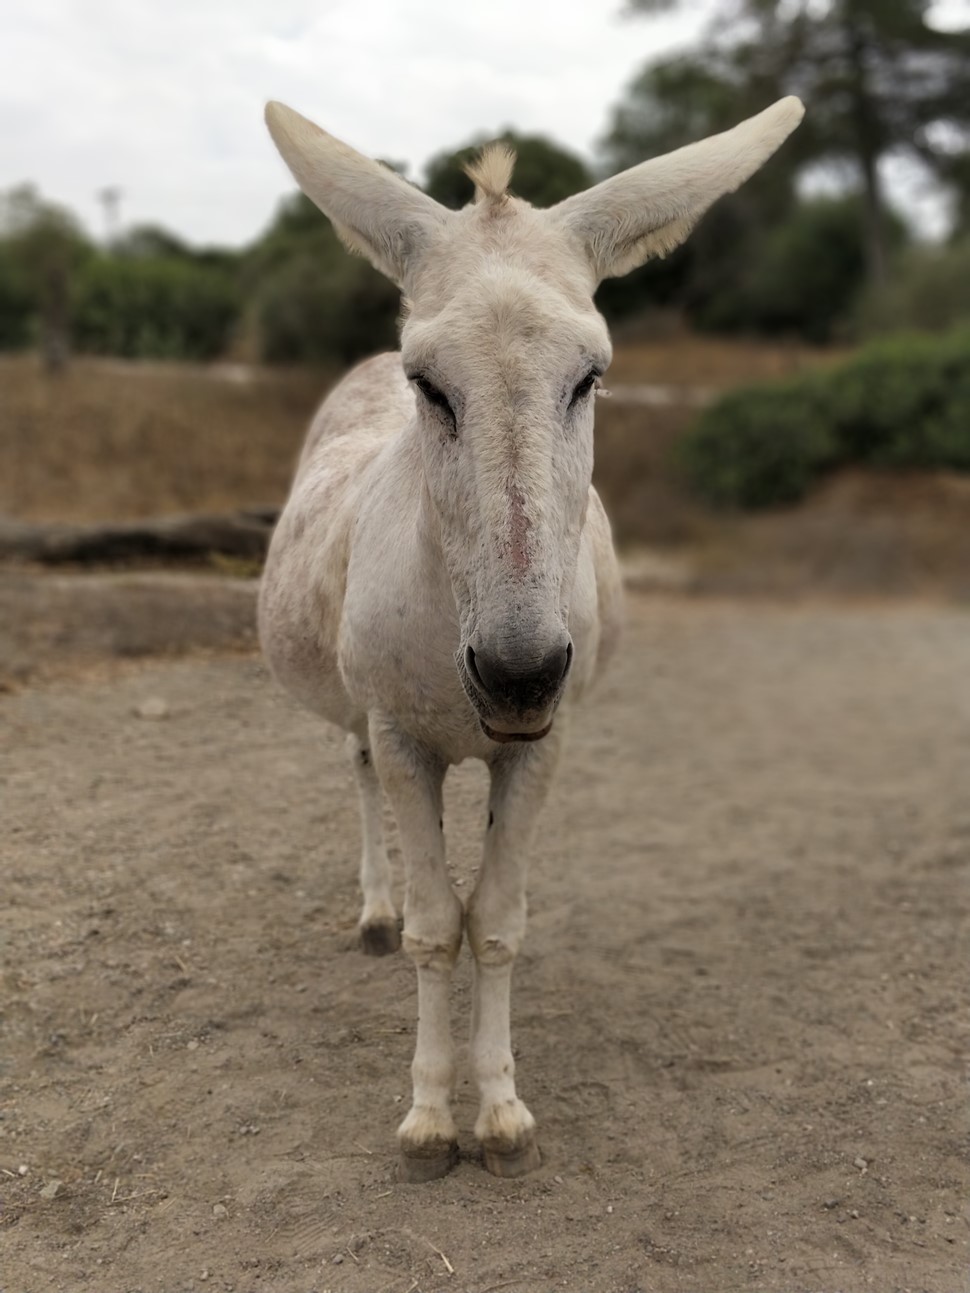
[(517, 696)]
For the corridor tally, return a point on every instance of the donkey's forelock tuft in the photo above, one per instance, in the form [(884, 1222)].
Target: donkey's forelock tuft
[(491, 172)]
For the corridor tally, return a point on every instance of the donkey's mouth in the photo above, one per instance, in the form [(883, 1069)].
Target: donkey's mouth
[(505, 738)]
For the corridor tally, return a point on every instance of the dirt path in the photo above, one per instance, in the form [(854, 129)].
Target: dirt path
[(741, 1015)]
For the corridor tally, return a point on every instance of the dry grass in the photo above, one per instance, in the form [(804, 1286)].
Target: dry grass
[(633, 472), (112, 441), (713, 361), (860, 533), (115, 441)]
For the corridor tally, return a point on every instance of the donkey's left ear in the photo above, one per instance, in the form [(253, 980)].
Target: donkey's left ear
[(651, 208), (374, 210)]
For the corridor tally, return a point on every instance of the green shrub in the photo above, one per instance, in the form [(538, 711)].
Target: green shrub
[(899, 403), (160, 308), (759, 446), (892, 406), (798, 277), (310, 300), (17, 303), (929, 291), (310, 310)]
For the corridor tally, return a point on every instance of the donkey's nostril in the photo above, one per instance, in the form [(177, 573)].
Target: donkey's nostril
[(515, 686), (472, 668)]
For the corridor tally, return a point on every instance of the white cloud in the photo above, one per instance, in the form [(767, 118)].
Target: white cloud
[(165, 99)]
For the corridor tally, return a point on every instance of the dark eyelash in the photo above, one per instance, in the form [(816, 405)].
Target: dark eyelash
[(584, 387), (433, 395)]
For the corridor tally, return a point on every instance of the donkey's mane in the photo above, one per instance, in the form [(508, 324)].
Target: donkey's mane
[(491, 172)]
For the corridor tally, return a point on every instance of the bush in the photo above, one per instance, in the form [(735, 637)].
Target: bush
[(901, 403), (929, 291), (160, 308), (758, 447), (311, 301), (17, 303), (897, 403), (311, 310)]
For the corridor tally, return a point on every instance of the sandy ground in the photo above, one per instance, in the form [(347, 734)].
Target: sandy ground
[(741, 1014)]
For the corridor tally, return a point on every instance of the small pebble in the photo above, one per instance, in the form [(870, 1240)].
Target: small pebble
[(152, 708), (338, 1259), (220, 1210), (52, 1189), (860, 1163), (193, 1045), (23, 1169)]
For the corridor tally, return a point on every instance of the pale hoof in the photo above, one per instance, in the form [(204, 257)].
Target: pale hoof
[(510, 1161), (381, 938), (427, 1163)]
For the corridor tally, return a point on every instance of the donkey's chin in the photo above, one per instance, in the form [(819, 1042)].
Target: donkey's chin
[(507, 737)]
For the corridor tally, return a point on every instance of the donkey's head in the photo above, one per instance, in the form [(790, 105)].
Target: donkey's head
[(505, 348)]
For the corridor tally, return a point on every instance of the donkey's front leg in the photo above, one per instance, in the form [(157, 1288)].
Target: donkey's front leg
[(378, 926), (412, 776), (496, 926)]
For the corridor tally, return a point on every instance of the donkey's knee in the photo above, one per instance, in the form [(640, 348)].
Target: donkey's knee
[(432, 938), (495, 930)]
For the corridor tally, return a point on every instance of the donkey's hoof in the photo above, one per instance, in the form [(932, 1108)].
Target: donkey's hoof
[(427, 1162), (380, 938), (512, 1160)]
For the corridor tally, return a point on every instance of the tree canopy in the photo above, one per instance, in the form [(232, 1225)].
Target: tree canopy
[(544, 172), (879, 80)]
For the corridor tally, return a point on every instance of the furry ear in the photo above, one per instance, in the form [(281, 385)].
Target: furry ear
[(375, 212), (651, 208)]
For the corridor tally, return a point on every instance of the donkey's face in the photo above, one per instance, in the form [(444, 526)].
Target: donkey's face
[(504, 348)]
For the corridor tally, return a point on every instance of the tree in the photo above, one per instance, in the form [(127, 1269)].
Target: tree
[(154, 307), (878, 78), (804, 278), (544, 173), (671, 104), (43, 248), (311, 300), (149, 242)]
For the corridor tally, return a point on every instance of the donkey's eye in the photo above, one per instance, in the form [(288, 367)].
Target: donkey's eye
[(434, 396), (584, 387)]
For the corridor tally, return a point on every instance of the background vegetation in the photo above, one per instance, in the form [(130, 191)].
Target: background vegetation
[(845, 467), (902, 403), (778, 258)]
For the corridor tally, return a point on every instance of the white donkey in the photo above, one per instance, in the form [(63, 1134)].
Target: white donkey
[(442, 576)]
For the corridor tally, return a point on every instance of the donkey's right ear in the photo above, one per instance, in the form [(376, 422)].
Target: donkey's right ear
[(651, 208), (374, 210)]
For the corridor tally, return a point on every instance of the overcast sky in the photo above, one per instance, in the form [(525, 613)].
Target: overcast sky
[(164, 98)]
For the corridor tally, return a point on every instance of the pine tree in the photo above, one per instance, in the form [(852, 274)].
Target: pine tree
[(877, 78)]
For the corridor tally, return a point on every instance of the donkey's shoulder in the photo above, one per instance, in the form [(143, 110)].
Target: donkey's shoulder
[(370, 403)]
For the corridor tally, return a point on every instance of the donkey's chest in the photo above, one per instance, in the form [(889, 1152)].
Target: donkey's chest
[(396, 654)]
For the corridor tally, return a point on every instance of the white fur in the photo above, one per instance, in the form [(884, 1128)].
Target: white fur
[(417, 547)]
